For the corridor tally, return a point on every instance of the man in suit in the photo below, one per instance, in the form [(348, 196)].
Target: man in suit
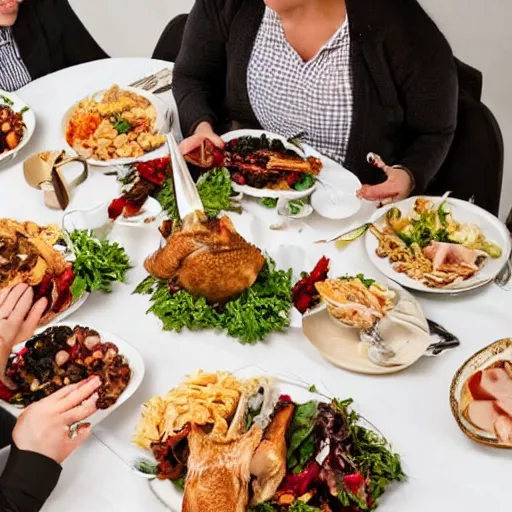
[(41, 437), (38, 37)]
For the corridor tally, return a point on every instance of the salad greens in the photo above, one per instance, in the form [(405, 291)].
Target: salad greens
[(296, 506), (371, 454), (165, 196), (300, 444), (366, 282), (344, 464), (268, 202), (295, 206), (121, 125), (253, 315), (214, 188), (305, 182), (427, 224), (98, 263), (6, 100)]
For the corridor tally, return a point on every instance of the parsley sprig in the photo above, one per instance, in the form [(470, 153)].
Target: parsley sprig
[(98, 263), (253, 315), (214, 188)]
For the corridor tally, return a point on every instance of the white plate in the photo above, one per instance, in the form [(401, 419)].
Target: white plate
[(160, 125), (346, 204), (404, 329), (266, 192), (149, 213), (30, 124), (67, 312), (97, 217), (298, 390), (464, 212), (134, 360)]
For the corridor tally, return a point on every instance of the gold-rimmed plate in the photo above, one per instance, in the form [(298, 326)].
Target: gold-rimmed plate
[(460, 396)]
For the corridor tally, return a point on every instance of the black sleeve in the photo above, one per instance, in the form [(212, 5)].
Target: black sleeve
[(200, 67), (425, 74), (79, 45), (7, 422), (27, 481)]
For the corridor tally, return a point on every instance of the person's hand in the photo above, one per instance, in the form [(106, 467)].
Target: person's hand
[(18, 321), (398, 186), (203, 131), (44, 426)]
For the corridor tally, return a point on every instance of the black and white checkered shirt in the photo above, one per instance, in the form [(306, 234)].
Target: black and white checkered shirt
[(291, 97), (13, 72)]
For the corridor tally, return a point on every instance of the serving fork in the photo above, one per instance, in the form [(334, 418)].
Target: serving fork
[(149, 82), (504, 278)]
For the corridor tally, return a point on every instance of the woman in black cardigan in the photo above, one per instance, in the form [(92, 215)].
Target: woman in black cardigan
[(40, 439), (354, 76), (38, 37)]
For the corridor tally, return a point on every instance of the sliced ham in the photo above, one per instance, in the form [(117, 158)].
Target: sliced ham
[(503, 429), (442, 253), (491, 384), (505, 407), (483, 414)]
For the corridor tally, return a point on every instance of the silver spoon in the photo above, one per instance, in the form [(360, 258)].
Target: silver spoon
[(378, 353)]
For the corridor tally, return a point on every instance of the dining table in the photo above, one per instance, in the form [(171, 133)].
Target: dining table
[(445, 470)]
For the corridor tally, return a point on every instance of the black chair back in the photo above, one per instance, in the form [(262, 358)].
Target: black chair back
[(473, 169), (169, 44)]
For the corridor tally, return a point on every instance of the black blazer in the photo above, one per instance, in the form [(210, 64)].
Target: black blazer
[(50, 37), (404, 80), (28, 479)]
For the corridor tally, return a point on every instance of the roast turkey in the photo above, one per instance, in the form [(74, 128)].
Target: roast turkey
[(218, 473), (207, 258)]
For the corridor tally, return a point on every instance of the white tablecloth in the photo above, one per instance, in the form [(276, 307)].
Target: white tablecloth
[(447, 472)]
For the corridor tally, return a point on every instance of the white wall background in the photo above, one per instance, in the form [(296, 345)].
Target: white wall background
[(479, 31)]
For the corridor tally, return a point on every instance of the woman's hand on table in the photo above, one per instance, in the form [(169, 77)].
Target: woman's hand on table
[(398, 186), (44, 427), (203, 131), (18, 321)]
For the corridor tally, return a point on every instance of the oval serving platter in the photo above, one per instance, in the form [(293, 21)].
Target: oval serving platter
[(29, 119), (404, 329), (463, 212), (159, 124), (134, 359), (500, 350)]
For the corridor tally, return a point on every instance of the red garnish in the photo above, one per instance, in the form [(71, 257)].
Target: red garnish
[(61, 289), (152, 171), (353, 483), (44, 287), (304, 293), (286, 398), (292, 178), (206, 156), (238, 178), (218, 158), (131, 209), (6, 393), (116, 208), (299, 484), (22, 352)]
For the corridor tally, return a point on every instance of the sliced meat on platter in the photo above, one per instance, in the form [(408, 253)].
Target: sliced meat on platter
[(483, 414), (505, 406), (487, 401), (443, 253), (491, 384), (503, 429)]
